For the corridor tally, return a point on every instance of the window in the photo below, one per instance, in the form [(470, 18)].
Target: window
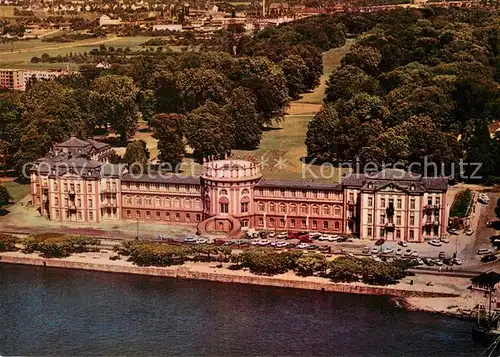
[(55, 186), (89, 188), (370, 201), (261, 221), (79, 215), (282, 222), (56, 201), (177, 203), (138, 214), (167, 202), (382, 202), (244, 192), (271, 222), (167, 216), (128, 214), (382, 218), (381, 232), (370, 218), (412, 234), (337, 226), (177, 216), (244, 207), (303, 224), (429, 201), (412, 220), (157, 202), (398, 220), (315, 209), (223, 192), (128, 200), (293, 209), (326, 210), (412, 203), (369, 232), (147, 201), (138, 201), (90, 203), (158, 215), (398, 233), (79, 203), (224, 207), (148, 215), (188, 217), (303, 209), (351, 197), (282, 208), (315, 224), (187, 203), (261, 206), (65, 187), (91, 216), (400, 203), (292, 223), (336, 211), (198, 218), (271, 207), (325, 225), (244, 223)]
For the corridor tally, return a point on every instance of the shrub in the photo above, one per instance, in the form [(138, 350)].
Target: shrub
[(461, 203), (7, 243), (55, 245)]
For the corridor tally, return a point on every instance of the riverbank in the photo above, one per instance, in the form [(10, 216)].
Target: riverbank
[(213, 272)]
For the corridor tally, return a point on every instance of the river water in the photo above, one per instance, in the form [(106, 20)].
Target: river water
[(48, 311)]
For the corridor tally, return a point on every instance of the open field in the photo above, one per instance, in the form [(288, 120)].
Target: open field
[(18, 54), (17, 190)]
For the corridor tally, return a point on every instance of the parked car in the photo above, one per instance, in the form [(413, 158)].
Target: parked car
[(435, 243), (314, 235), (271, 235), (403, 243), (190, 240), (342, 239), (264, 242), (399, 251), (387, 250), (489, 258), (420, 261), (448, 261), (281, 244), (484, 251), (255, 242), (428, 262), (201, 241), (453, 231), (469, 232), (324, 247), (444, 239), (282, 235), (442, 255), (414, 254), (313, 247), (407, 253), (380, 241), (332, 238), (324, 237), (457, 261), (366, 250), (305, 239), (291, 245), (303, 246), (376, 250), (438, 262)]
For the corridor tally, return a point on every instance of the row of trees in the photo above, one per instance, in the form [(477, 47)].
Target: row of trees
[(423, 83), (55, 245), (214, 101)]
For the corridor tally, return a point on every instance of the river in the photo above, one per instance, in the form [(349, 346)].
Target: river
[(49, 311)]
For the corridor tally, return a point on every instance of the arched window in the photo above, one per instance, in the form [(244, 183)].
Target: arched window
[(128, 214), (261, 206), (167, 216), (147, 201), (292, 223), (337, 226), (315, 224), (303, 224), (315, 209), (282, 222), (157, 202), (177, 203), (197, 203), (293, 209), (188, 217), (187, 203), (198, 218), (282, 208), (148, 215), (303, 209), (223, 192), (138, 214), (261, 221), (325, 225), (244, 192), (177, 216), (326, 210), (128, 200), (271, 207), (336, 211), (271, 222), (138, 201), (167, 202)]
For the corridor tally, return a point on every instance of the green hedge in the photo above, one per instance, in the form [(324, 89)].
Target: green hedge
[(461, 203)]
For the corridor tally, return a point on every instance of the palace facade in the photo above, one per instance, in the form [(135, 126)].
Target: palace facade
[(76, 182)]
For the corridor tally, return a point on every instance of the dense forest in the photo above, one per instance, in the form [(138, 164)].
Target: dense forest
[(421, 84)]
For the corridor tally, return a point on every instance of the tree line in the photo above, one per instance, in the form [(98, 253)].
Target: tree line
[(421, 83), (214, 100)]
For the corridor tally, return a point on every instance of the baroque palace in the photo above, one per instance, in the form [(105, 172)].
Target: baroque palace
[(75, 182)]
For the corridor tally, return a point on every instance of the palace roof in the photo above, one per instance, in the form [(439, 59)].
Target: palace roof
[(300, 184), (162, 178)]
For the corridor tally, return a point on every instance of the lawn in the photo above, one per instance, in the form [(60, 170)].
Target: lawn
[(17, 190)]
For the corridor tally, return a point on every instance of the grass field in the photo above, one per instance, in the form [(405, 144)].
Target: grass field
[(18, 54), (16, 190)]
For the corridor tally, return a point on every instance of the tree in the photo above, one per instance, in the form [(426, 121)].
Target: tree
[(245, 121), (311, 263), (113, 99), (295, 70), (209, 131), (348, 81), (169, 131), (136, 156), (364, 57), (4, 196)]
